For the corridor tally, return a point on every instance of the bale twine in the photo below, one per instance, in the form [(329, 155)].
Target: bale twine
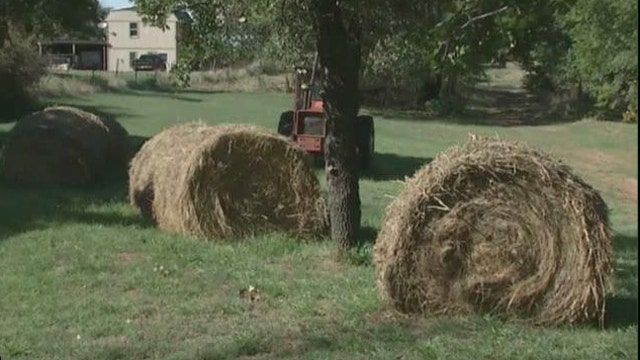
[(496, 226), (225, 181), (63, 145)]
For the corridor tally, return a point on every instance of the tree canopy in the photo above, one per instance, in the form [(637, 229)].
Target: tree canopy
[(47, 17), (604, 52), (21, 21)]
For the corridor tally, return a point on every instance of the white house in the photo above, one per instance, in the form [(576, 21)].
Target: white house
[(128, 38)]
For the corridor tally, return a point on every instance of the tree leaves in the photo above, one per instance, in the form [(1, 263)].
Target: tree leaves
[(50, 18), (604, 37)]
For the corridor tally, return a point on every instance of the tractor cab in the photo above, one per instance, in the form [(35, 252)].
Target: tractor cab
[(307, 90), (306, 123)]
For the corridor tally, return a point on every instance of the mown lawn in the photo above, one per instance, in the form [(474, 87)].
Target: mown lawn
[(83, 277)]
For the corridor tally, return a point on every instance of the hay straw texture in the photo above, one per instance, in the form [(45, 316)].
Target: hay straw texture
[(63, 145), (496, 226), (225, 181)]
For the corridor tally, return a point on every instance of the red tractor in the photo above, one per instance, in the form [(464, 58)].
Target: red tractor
[(306, 123)]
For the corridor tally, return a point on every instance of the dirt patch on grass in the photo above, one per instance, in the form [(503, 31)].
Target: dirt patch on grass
[(110, 341), (327, 264), (604, 170), (124, 256), (505, 107), (133, 293), (594, 164), (597, 158), (503, 101), (629, 188), (326, 310), (551, 128)]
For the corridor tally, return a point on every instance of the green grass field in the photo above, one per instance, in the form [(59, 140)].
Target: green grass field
[(83, 277)]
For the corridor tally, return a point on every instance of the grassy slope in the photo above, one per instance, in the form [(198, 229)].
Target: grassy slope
[(81, 273)]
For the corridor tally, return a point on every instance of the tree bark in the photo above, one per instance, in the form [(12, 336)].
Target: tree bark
[(338, 45)]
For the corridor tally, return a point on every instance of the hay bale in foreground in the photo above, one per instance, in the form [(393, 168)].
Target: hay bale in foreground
[(225, 181), (63, 145), (495, 226)]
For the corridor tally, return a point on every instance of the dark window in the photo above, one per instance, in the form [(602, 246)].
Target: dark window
[(133, 29), (313, 125), (132, 56)]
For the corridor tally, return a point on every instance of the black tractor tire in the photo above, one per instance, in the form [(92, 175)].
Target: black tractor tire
[(285, 125), (366, 139)]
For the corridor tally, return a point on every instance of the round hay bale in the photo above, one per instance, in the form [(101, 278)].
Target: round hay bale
[(496, 226), (63, 145), (225, 181)]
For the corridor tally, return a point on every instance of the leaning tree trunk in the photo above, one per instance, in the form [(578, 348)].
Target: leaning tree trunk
[(339, 54)]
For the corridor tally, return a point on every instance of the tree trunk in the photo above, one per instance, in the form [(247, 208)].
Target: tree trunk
[(338, 47), (4, 31)]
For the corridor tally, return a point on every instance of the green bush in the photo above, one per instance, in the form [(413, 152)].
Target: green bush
[(180, 74), (604, 36), (21, 67), (445, 106)]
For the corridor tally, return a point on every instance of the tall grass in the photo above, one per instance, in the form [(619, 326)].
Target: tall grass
[(253, 78)]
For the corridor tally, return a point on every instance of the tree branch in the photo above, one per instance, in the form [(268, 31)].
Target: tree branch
[(486, 15), (469, 22)]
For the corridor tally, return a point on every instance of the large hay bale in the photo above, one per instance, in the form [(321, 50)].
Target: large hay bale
[(225, 181), (63, 145), (496, 226)]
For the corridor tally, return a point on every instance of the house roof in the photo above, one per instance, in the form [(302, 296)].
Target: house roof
[(181, 15), (73, 41), (125, 8)]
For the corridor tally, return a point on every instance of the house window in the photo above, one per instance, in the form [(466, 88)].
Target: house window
[(132, 56), (133, 30)]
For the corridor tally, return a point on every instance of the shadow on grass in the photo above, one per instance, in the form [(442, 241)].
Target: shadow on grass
[(392, 334), (25, 208), (157, 92), (495, 106), (28, 208), (362, 253), (367, 236), (152, 85), (379, 334), (387, 166), (317, 340), (384, 166), (625, 243), (622, 310), (113, 112)]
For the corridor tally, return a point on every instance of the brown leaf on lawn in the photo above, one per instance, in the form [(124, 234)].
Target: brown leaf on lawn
[(251, 293)]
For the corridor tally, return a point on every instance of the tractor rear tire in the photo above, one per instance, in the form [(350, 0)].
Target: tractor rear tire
[(285, 125), (366, 141)]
